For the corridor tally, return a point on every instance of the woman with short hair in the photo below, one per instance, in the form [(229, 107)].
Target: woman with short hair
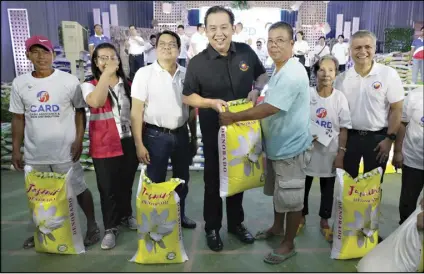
[(330, 110)]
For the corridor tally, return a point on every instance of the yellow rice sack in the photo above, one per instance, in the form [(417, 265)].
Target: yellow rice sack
[(356, 206), (240, 153), (53, 206), (160, 239)]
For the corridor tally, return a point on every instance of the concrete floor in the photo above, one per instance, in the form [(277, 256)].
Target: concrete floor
[(313, 250)]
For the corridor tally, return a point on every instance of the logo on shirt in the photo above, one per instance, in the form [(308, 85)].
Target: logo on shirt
[(376, 85), (43, 96), (243, 66), (321, 113), (44, 110)]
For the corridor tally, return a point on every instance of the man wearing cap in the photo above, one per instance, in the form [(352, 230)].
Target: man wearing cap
[(49, 111)]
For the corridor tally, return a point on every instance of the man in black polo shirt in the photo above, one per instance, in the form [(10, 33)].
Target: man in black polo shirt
[(224, 71)]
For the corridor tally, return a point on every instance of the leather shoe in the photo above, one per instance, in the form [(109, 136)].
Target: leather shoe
[(242, 233), (214, 240), (188, 223)]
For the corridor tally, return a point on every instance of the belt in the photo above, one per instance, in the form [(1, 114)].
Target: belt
[(367, 132), (164, 130), (136, 54)]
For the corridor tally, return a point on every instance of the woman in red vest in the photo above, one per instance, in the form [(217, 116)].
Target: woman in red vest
[(111, 143)]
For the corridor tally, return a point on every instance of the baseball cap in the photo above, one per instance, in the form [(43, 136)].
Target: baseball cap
[(39, 40)]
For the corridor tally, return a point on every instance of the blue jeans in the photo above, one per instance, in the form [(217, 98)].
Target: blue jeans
[(161, 147), (417, 66)]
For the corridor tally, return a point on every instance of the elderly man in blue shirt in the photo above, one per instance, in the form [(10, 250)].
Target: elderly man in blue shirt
[(285, 125)]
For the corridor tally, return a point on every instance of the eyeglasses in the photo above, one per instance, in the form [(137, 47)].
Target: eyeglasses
[(171, 45), (278, 42), (105, 58)]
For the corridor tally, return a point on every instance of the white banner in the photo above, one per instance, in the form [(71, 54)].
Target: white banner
[(339, 25), (346, 31), (355, 24)]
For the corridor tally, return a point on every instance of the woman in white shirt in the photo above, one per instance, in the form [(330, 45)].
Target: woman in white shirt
[(408, 152), (329, 109), (301, 50)]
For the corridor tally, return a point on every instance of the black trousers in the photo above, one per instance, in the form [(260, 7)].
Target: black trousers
[(135, 62), (115, 178), (412, 185), (212, 205), (327, 195), (182, 61), (301, 59), (342, 68), (361, 145)]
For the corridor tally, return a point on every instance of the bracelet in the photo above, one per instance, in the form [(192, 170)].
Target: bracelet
[(343, 148), (258, 88)]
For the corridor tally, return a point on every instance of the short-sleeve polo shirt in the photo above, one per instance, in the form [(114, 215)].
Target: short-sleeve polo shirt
[(370, 97), (97, 40), (214, 76)]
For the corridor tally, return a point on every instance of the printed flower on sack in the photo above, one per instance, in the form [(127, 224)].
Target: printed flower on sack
[(154, 231), (248, 152), (46, 222), (364, 226)]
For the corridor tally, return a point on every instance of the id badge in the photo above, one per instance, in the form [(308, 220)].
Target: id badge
[(125, 130)]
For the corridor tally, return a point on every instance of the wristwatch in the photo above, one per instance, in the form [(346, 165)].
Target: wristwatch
[(392, 137)]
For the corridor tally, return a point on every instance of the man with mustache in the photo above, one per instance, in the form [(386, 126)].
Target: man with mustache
[(223, 72)]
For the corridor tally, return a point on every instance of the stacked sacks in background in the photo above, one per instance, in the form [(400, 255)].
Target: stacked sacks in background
[(398, 61), (60, 62), (86, 161), (6, 145), (63, 64)]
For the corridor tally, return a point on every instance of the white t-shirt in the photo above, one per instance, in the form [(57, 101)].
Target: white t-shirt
[(413, 143), (48, 104), (321, 50), (122, 116), (332, 113), (370, 97), (198, 43), (150, 56), (185, 41), (300, 47), (162, 95), (341, 51), (134, 46)]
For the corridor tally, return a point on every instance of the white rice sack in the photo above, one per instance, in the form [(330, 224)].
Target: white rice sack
[(400, 252)]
